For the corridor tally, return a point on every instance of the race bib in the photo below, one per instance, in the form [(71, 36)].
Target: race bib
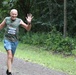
[(11, 30)]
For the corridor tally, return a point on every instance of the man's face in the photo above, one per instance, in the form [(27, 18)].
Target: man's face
[(13, 14)]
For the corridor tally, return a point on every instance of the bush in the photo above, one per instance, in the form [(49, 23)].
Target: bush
[(67, 44), (53, 41), (34, 38), (57, 43)]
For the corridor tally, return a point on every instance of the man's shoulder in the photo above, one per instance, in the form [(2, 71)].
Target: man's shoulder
[(7, 18), (18, 18)]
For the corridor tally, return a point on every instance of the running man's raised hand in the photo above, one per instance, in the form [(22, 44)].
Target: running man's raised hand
[(29, 18)]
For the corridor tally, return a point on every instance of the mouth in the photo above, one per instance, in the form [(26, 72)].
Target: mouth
[(13, 18)]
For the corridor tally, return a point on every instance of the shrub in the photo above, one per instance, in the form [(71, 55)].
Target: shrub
[(34, 38), (53, 41), (57, 43), (67, 44)]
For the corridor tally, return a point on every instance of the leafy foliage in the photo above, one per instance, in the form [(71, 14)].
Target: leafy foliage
[(53, 41), (34, 38), (47, 13), (57, 43)]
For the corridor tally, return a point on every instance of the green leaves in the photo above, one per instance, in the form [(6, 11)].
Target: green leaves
[(57, 43), (52, 41)]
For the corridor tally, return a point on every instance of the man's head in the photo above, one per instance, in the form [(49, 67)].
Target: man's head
[(13, 14)]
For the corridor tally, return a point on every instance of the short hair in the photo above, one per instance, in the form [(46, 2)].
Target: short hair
[(14, 10)]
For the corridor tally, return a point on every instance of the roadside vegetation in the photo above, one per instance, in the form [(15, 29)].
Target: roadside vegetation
[(50, 50)]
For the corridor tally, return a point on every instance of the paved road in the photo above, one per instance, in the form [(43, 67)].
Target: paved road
[(21, 67)]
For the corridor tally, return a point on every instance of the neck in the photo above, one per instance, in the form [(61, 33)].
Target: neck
[(13, 19)]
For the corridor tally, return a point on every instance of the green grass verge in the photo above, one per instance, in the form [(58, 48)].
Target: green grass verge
[(39, 55)]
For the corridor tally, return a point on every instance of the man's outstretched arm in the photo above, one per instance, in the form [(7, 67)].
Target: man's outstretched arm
[(28, 25)]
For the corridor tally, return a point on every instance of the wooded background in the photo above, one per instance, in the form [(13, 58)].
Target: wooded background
[(49, 16), (47, 13)]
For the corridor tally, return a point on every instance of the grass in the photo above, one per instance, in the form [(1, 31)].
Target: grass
[(39, 55)]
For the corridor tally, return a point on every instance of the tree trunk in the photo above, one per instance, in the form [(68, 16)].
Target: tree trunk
[(65, 18), (50, 9)]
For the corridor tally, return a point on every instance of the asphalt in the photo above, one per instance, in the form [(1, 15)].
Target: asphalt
[(21, 67)]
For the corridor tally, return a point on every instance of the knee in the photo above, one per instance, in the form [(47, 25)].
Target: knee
[(9, 56)]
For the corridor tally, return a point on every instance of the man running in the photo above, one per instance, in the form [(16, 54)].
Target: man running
[(11, 25)]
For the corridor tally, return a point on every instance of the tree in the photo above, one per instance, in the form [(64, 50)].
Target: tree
[(47, 13), (50, 9), (65, 18)]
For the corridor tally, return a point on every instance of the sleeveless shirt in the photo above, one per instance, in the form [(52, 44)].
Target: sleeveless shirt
[(12, 29)]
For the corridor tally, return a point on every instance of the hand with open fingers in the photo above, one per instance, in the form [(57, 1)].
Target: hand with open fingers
[(29, 18)]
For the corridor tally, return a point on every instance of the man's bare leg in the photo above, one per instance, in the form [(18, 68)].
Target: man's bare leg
[(10, 57)]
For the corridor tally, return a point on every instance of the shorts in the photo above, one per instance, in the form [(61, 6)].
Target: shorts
[(9, 45)]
